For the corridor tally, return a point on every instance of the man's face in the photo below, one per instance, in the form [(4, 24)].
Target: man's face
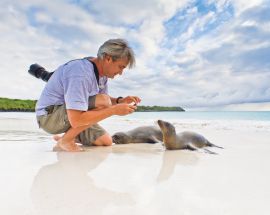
[(112, 68)]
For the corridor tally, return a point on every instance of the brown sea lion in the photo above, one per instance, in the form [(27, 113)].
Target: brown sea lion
[(164, 133), (183, 140), (142, 134)]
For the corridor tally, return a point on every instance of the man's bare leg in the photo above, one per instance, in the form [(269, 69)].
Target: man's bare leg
[(67, 141), (104, 140), (57, 137)]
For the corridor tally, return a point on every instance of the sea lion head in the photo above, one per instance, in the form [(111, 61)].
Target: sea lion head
[(166, 127), (120, 138), (169, 134)]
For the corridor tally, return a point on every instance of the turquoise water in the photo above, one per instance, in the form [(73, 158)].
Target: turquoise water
[(197, 115), (205, 115), (240, 120)]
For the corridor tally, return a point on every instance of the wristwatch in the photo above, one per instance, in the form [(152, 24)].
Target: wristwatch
[(118, 98)]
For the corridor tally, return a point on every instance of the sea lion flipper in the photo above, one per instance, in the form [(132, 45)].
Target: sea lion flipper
[(210, 152), (192, 148), (213, 145), (151, 140)]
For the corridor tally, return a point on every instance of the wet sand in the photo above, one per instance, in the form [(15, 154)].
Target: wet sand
[(135, 178)]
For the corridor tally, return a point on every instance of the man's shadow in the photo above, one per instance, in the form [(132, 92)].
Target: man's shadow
[(65, 187)]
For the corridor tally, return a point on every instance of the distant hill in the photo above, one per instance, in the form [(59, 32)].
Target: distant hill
[(157, 109), (19, 105)]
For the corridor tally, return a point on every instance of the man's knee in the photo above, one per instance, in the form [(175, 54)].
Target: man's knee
[(102, 101), (104, 140)]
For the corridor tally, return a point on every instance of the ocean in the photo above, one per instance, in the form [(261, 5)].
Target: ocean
[(205, 115), (16, 122)]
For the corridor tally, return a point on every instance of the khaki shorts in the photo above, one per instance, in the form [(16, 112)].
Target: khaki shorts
[(56, 122)]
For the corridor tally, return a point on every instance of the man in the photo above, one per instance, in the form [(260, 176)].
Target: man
[(76, 98)]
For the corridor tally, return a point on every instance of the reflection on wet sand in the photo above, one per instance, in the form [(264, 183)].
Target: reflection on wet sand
[(171, 159), (129, 177), (65, 187)]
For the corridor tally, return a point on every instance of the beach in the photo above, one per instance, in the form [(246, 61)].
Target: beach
[(137, 178)]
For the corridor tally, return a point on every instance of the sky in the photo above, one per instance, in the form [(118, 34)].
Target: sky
[(199, 55)]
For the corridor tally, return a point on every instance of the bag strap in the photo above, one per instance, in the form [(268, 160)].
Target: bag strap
[(95, 68), (94, 65)]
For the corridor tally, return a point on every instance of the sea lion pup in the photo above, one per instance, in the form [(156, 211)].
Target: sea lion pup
[(184, 140), (142, 134)]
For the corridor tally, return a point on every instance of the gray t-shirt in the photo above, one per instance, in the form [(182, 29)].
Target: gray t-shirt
[(71, 84)]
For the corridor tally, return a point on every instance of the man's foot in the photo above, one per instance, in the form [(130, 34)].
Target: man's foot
[(57, 137), (67, 146)]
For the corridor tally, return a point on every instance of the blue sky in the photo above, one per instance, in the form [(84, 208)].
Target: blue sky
[(194, 54)]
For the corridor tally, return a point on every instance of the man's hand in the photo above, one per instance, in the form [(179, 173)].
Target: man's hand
[(123, 109), (130, 99)]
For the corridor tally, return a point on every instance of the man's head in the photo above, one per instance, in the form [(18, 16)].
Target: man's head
[(116, 56)]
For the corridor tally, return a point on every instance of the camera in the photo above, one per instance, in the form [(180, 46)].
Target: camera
[(39, 72)]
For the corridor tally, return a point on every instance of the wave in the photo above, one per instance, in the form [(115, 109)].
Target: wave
[(191, 124)]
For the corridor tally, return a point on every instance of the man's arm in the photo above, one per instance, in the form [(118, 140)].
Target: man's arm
[(127, 100), (81, 118), (113, 100)]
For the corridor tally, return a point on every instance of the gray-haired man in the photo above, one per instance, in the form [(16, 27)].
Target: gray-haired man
[(76, 97)]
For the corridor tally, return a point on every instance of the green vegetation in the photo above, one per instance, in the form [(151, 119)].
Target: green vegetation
[(29, 106), (17, 105), (158, 108)]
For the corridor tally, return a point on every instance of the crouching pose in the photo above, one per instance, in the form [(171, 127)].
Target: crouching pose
[(76, 97)]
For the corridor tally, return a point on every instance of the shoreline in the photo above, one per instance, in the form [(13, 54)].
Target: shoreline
[(182, 121)]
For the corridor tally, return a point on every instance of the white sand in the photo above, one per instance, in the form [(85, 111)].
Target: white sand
[(133, 179)]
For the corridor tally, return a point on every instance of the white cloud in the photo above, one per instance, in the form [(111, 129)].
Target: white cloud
[(218, 59), (228, 65), (242, 5)]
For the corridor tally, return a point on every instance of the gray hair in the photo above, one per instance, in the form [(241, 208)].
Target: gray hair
[(117, 49)]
